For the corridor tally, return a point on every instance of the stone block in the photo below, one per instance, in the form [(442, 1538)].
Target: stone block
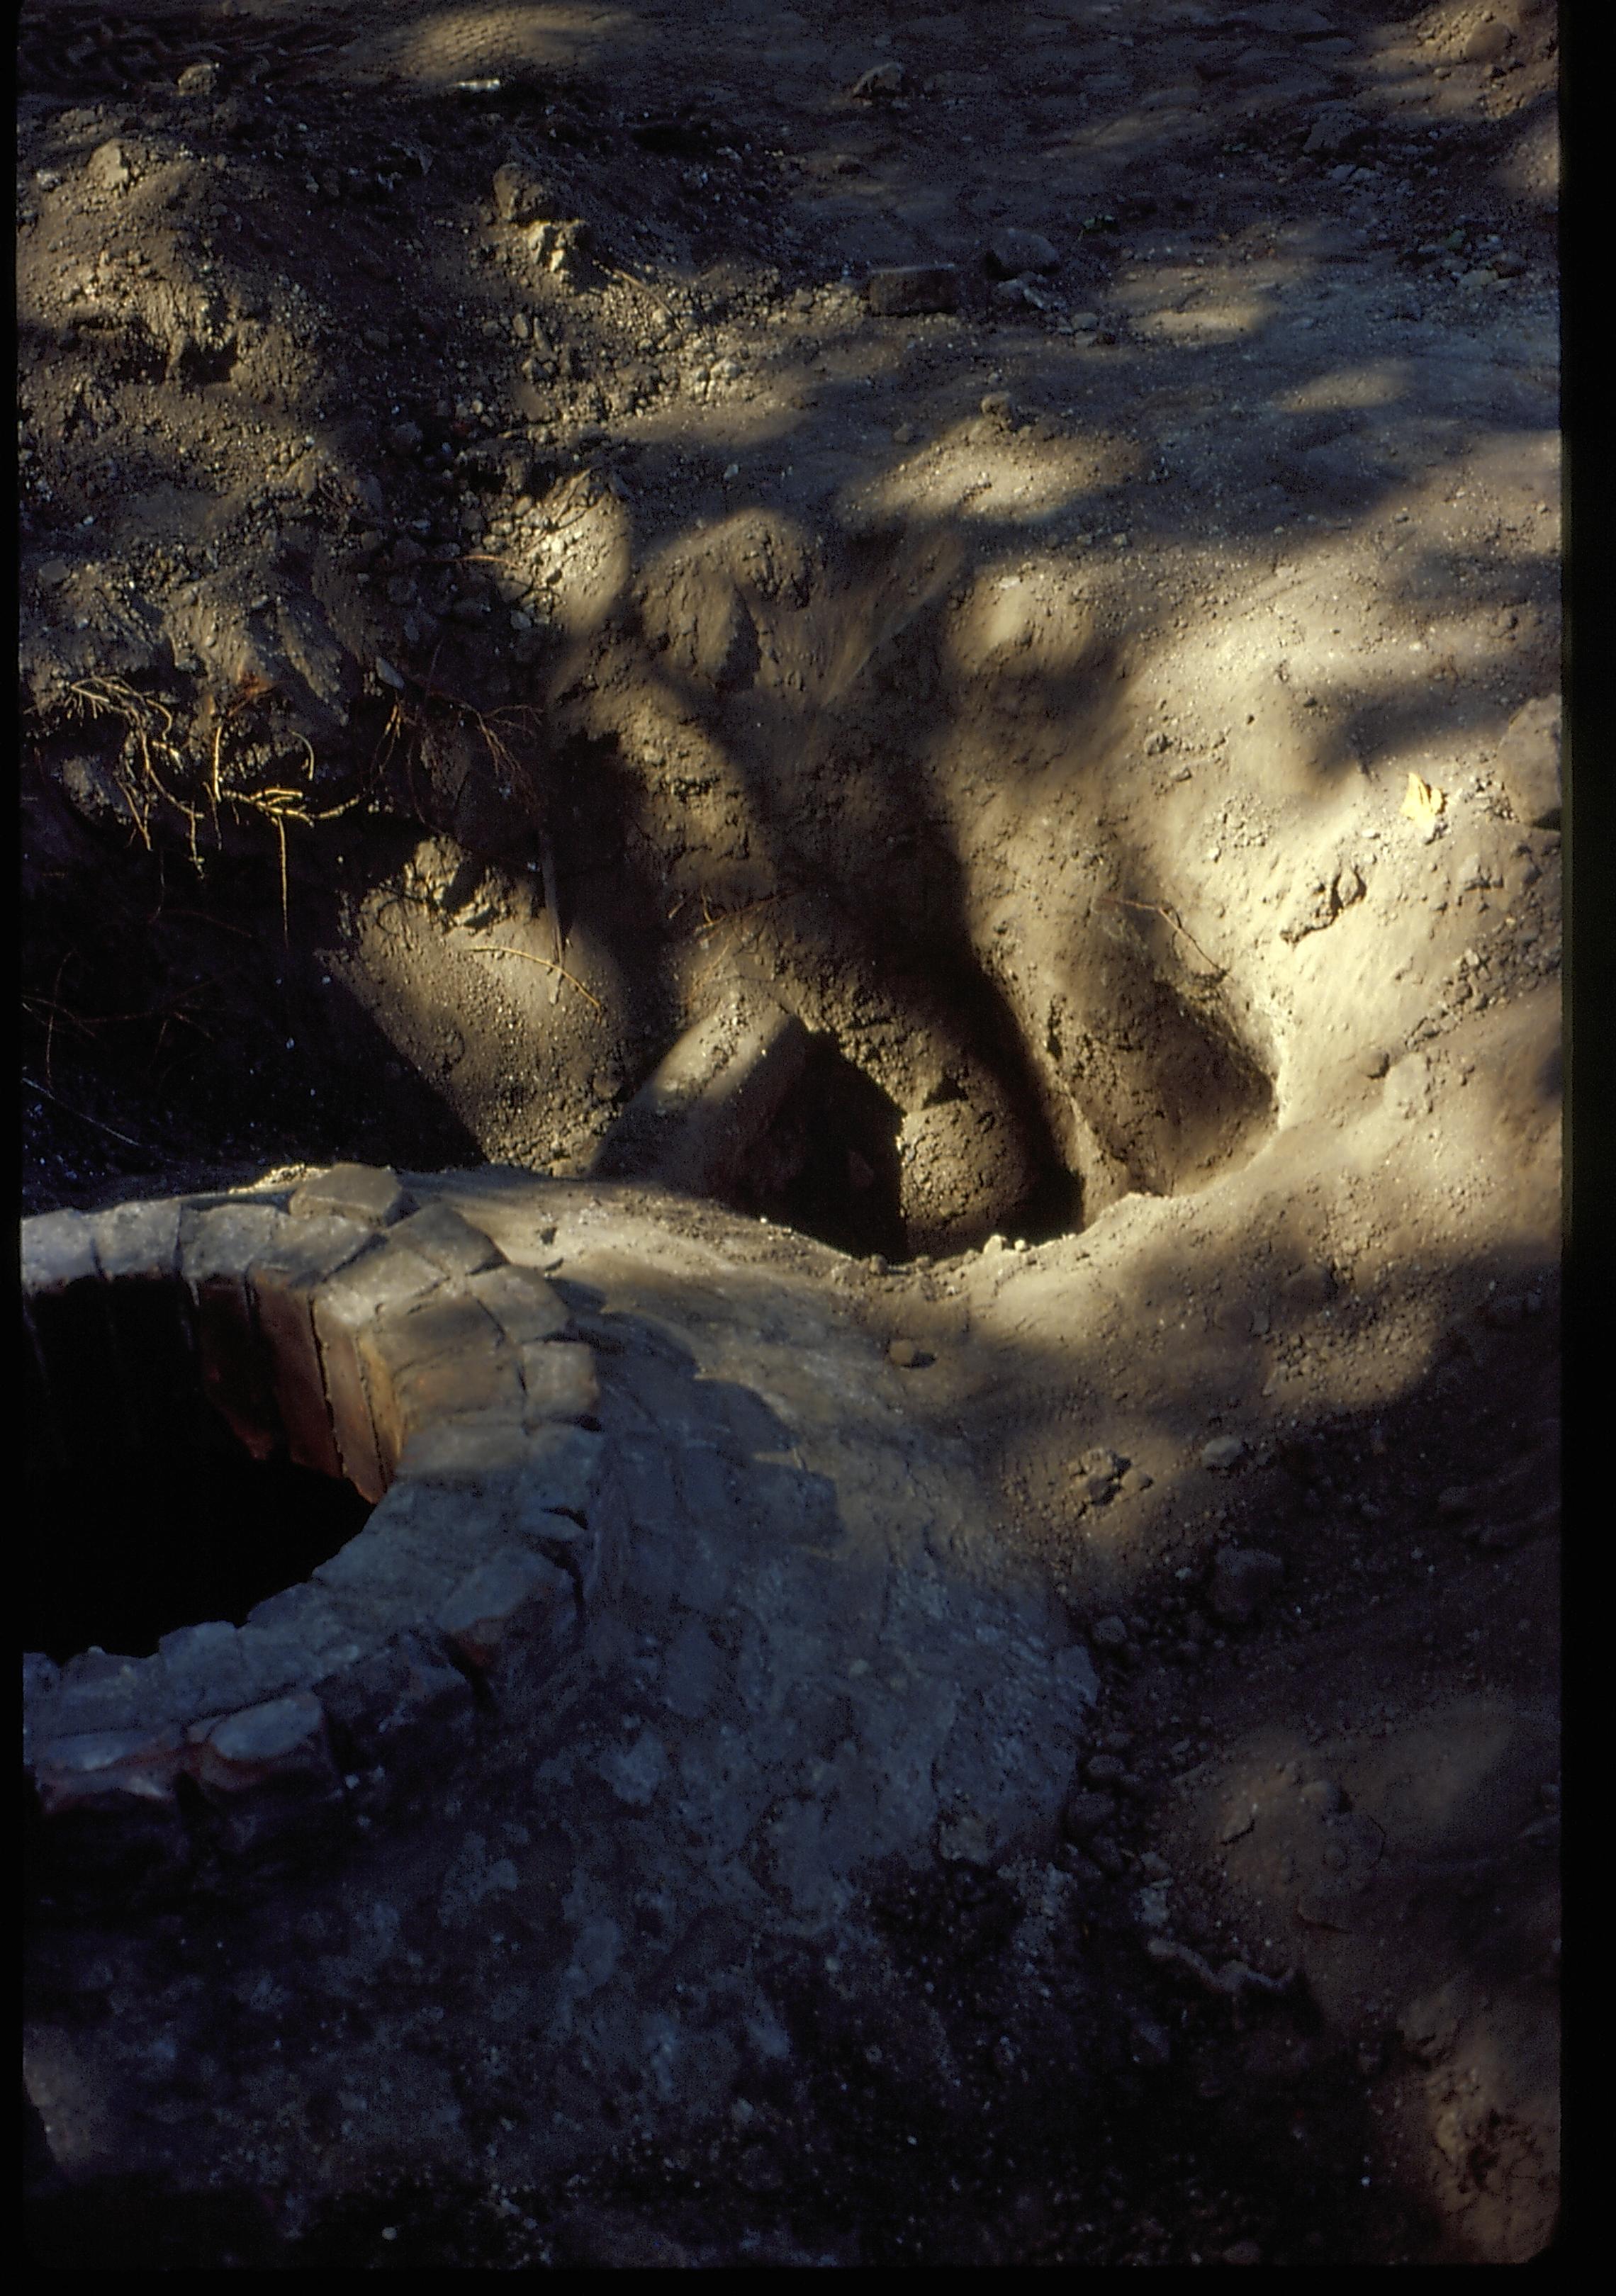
[(449, 1322), (204, 1669), (453, 1246), (99, 1691), (381, 1576), (110, 1772), (443, 1530), (280, 1736), (217, 1246), (307, 1617), (139, 1242), (113, 1827), (383, 1282), (522, 1303), (342, 1308), (276, 1663), (58, 1249), (476, 1380), (559, 1381), (297, 1379), (348, 1399), (223, 1240), (267, 1773), (442, 1359), (897, 291), (151, 1317), (518, 1600), (361, 1192), (550, 1466), (285, 1283)]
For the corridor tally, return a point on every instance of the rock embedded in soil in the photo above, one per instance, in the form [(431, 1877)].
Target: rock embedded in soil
[(912, 289), (1013, 251), (881, 80), (1528, 763)]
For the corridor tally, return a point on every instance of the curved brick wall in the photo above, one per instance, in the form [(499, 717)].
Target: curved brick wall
[(360, 1336)]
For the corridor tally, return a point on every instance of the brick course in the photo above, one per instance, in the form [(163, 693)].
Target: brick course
[(364, 1338)]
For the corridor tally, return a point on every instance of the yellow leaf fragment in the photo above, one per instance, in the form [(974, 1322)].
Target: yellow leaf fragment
[(1422, 803)]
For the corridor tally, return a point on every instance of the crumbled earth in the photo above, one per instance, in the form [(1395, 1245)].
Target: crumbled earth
[(504, 565)]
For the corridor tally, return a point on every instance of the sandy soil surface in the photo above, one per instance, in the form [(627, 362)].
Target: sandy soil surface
[(1029, 535)]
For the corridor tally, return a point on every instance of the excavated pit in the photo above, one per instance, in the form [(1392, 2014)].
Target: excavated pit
[(577, 625), (411, 998)]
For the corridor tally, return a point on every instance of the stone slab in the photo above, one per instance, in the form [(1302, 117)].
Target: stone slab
[(58, 1248), (377, 1570), (522, 1303), (223, 1240), (308, 1618), (267, 1776), (97, 1691), (446, 1361), (205, 1669), (370, 1193), (113, 1771), (280, 1737), (139, 1242), (440, 1233), (297, 1378)]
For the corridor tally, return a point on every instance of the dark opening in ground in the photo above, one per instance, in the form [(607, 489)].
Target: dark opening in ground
[(828, 1165), (127, 1544)]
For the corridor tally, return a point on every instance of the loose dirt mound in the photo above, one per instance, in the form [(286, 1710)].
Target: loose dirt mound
[(1023, 541)]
